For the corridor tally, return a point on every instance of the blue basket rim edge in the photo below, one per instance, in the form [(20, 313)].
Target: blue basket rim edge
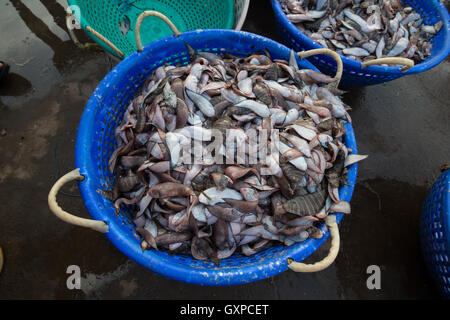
[(432, 262), (445, 203), (418, 68), (446, 207), (91, 198)]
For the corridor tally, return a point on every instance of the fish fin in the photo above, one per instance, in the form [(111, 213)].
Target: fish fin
[(192, 52), (267, 53), (353, 158), (293, 60)]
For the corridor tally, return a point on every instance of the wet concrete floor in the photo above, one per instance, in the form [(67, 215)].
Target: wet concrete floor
[(403, 125)]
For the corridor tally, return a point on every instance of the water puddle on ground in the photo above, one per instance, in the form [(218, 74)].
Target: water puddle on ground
[(37, 47)]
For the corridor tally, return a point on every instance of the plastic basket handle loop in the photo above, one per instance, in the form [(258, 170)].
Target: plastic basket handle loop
[(92, 45), (407, 63), (96, 225), (89, 45), (334, 55), (329, 259), (109, 43), (145, 14)]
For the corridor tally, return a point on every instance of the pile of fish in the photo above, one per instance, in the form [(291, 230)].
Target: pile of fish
[(364, 30), (213, 210)]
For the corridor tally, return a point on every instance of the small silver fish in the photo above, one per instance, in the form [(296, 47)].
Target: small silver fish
[(124, 25)]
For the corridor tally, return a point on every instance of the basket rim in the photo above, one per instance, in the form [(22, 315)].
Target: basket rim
[(423, 66), (430, 241), (243, 16), (159, 261)]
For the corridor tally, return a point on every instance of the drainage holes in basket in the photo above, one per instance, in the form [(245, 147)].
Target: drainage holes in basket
[(445, 257)]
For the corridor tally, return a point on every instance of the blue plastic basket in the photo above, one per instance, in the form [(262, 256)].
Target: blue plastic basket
[(96, 142), (435, 233), (431, 11)]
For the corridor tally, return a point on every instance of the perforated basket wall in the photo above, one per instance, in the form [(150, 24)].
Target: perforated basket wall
[(96, 142), (435, 233), (431, 11), (104, 16)]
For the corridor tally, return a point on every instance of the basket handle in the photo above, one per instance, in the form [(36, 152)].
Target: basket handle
[(137, 31), (109, 43), (329, 259), (407, 63), (334, 55), (96, 225), (96, 34)]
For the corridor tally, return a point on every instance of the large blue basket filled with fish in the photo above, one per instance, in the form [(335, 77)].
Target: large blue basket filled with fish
[(435, 233), (363, 70), (96, 142)]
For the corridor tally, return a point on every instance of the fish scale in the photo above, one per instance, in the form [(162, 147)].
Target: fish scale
[(307, 205)]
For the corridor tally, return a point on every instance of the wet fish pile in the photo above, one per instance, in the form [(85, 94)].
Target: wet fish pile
[(212, 210), (364, 30)]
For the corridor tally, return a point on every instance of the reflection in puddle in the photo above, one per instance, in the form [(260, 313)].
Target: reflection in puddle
[(39, 50), (40, 29)]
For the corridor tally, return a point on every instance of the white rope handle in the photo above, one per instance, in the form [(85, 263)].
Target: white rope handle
[(406, 63), (109, 43), (334, 55), (96, 225), (91, 45), (332, 254), (137, 31)]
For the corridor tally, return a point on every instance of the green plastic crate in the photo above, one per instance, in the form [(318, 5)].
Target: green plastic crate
[(106, 17)]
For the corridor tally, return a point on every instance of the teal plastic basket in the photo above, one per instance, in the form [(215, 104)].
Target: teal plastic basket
[(115, 20)]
